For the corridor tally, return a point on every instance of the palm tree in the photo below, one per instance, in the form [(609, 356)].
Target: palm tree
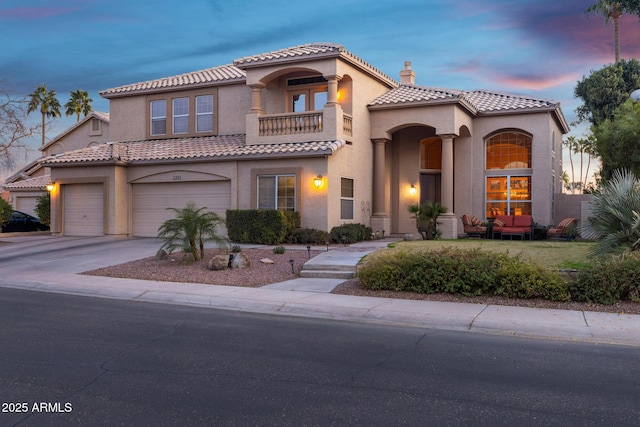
[(615, 215), (426, 216), (46, 102), (79, 103), (189, 230), (611, 11)]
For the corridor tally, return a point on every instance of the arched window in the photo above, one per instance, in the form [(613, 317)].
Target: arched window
[(508, 193), (509, 150), (431, 153)]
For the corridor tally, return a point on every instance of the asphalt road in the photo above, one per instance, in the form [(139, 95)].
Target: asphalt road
[(69, 360)]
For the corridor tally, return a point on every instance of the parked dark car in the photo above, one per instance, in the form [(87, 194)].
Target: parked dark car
[(21, 221)]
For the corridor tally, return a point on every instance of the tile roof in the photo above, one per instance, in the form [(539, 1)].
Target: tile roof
[(479, 101), (38, 182), (229, 147), (223, 73), (312, 51)]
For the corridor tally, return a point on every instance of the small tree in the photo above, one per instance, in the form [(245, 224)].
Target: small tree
[(189, 230), (426, 216), (5, 211), (615, 215), (13, 131), (79, 103), (43, 208)]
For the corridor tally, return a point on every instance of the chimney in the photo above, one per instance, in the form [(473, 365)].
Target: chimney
[(407, 76)]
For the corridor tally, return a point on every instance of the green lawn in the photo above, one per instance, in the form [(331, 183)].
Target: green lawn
[(572, 255)]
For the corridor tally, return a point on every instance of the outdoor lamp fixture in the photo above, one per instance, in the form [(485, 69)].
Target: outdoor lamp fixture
[(413, 190), (51, 186), (317, 181), (291, 262)]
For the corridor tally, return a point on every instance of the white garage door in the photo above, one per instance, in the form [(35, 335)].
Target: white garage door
[(150, 202), (26, 204), (83, 209)]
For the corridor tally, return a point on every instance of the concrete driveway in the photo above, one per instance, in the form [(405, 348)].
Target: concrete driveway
[(46, 253)]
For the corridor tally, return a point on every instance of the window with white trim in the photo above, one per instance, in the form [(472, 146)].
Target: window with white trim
[(204, 113), (277, 192), (347, 199), (159, 117), (181, 115)]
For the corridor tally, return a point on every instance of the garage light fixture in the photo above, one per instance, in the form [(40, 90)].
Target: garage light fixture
[(51, 186), (317, 181)]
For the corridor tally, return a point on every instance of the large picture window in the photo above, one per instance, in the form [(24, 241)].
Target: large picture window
[(158, 117), (181, 115), (346, 198), (508, 193), (277, 192)]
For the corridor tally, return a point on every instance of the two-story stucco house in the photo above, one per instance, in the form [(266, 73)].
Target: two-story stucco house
[(314, 129), (25, 186)]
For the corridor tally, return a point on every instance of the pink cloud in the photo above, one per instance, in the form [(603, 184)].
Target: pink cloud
[(536, 82)]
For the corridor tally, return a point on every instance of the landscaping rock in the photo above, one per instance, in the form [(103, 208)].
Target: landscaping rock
[(266, 261), (161, 255), (219, 262), (240, 260)]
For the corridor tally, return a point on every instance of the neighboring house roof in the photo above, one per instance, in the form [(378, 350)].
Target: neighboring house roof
[(39, 182), (222, 74), (480, 102), (231, 147), (93, 115), (25, 172), (310, 52)]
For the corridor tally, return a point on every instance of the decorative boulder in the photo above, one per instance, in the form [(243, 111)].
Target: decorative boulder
[(240, 260), (219, 262), (161, 255)]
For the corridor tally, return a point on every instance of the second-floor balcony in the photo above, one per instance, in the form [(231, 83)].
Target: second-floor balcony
[(323, 124)]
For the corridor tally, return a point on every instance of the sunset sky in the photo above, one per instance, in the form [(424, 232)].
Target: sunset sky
[(535, 47)]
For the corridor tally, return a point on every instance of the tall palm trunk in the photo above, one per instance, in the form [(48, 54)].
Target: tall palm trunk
[(616, 32)]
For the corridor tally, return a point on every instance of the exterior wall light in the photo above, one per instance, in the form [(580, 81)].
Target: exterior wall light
[(317, 181), (51, 186), (413, 190)]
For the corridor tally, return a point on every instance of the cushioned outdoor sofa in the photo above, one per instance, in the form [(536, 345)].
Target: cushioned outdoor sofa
[(513, 225)]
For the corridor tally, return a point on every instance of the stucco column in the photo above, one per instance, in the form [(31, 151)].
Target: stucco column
[(332, 89), (379, 178), (256, 98), (448, 221), (447, 172)]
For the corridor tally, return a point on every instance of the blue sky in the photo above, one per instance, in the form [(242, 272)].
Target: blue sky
[(535, 47)]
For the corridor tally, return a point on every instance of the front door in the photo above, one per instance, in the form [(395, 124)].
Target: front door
[(430, 187)]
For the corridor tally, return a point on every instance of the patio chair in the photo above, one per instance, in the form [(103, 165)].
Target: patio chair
[(563, 229), (473, 226)]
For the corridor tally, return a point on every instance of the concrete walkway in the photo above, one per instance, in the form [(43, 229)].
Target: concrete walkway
[(51, 264)]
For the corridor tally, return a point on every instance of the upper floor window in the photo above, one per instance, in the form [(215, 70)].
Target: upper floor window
[(95, 125), (181, 115), (158, 117), (509, 150), (204, 113)]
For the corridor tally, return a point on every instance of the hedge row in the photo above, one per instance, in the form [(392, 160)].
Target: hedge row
[(474, 272), (464, 272)]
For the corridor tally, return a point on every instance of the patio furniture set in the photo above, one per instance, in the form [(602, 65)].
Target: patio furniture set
[(513, 225)]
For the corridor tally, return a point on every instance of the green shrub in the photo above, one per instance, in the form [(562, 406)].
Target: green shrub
[(304, 236), (235, 249), (608, 281), (352, 233), (5, 211), (279, 250), (43, 208), (464, 272), (265, 227)]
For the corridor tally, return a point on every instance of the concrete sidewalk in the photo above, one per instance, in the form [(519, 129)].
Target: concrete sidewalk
[(307, 297)]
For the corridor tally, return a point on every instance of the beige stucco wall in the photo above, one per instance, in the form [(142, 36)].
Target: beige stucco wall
[(127, 118), (78, 138)]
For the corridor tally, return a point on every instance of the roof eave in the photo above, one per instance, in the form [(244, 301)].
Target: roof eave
[(165, 89)]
